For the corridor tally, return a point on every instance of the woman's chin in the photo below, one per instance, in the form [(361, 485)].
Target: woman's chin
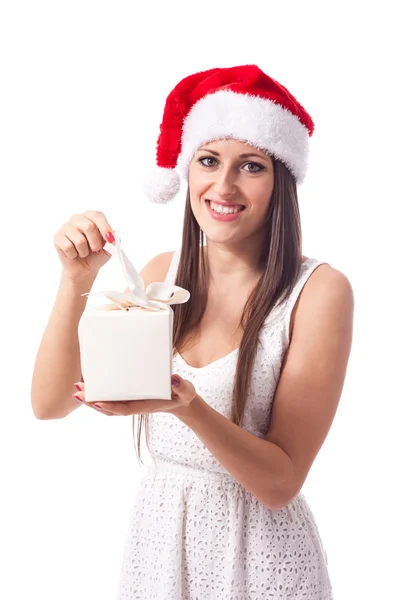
[(212, 234)]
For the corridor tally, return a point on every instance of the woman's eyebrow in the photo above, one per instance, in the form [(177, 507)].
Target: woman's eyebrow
[(246, 155), (252, 154)]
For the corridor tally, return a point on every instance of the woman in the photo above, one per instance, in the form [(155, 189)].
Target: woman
[(261, 352)]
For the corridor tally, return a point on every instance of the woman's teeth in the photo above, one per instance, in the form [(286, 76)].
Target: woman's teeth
[(224, 209)]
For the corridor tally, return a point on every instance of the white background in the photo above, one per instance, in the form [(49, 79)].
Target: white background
[(83, 86)]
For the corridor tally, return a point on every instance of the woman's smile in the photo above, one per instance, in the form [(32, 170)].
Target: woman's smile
[(224, 213)]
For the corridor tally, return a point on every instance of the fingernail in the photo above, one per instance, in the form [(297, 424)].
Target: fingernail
[(98, 405), (76, 398), (77, 387), (109, 236), (175, 381)]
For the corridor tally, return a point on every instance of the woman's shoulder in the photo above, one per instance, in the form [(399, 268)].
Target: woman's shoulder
[(156, 270), (325, 271), (315, 273), (158, 266), (319, 282)]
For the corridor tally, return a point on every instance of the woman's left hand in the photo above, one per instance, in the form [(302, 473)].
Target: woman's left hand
[(182, 395)]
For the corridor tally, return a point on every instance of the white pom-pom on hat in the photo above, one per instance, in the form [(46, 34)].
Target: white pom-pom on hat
[(161, 185)]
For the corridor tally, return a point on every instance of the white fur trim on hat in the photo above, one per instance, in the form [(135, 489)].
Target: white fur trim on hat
[(254, 120)]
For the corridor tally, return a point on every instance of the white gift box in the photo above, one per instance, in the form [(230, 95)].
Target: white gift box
[(126, 346)]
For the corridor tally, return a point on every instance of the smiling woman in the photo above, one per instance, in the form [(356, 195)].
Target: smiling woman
[(265, 338)]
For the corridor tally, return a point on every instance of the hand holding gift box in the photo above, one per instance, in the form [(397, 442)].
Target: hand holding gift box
[(126, 347)]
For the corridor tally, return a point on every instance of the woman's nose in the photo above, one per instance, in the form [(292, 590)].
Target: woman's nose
[(224, 184)]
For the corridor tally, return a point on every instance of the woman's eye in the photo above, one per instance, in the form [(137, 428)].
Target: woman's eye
[(253, 164), (254, 167), (206, 158)]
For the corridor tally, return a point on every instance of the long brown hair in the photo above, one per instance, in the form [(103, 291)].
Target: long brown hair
[(280, 263)]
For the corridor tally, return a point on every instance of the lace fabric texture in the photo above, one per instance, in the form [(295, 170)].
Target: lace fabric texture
[(196, 533)]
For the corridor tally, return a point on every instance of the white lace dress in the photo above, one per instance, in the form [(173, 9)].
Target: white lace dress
[(195, 532)]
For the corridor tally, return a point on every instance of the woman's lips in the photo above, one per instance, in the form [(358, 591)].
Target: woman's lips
[(222, 216)]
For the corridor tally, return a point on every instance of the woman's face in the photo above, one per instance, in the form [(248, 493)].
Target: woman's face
[(232, 173)]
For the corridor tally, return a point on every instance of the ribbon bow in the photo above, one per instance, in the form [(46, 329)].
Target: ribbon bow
[(157, 296)]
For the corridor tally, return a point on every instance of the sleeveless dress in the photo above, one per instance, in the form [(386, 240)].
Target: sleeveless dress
[(195, 532)]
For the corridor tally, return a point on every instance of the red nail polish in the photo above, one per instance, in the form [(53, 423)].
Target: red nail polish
[(76, 398), (109, 236), (175, 381), (77, 387)]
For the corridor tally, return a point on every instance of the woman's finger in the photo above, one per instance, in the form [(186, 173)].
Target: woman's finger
[(80, 396), (105, 412)]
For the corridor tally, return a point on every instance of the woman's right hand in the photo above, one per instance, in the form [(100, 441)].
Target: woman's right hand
[(80, 245)]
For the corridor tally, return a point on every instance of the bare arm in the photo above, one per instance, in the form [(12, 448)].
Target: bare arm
[(57, 364)]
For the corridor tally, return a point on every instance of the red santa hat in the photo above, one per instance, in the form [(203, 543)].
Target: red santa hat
[(242, 103)]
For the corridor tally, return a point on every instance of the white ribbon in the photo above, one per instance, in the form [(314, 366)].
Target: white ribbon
[(157, 296)]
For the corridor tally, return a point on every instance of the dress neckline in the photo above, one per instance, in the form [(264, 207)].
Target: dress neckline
[(211, 364), (308, 260)]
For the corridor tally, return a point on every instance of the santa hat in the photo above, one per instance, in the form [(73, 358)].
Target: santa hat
[(242, 103)]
